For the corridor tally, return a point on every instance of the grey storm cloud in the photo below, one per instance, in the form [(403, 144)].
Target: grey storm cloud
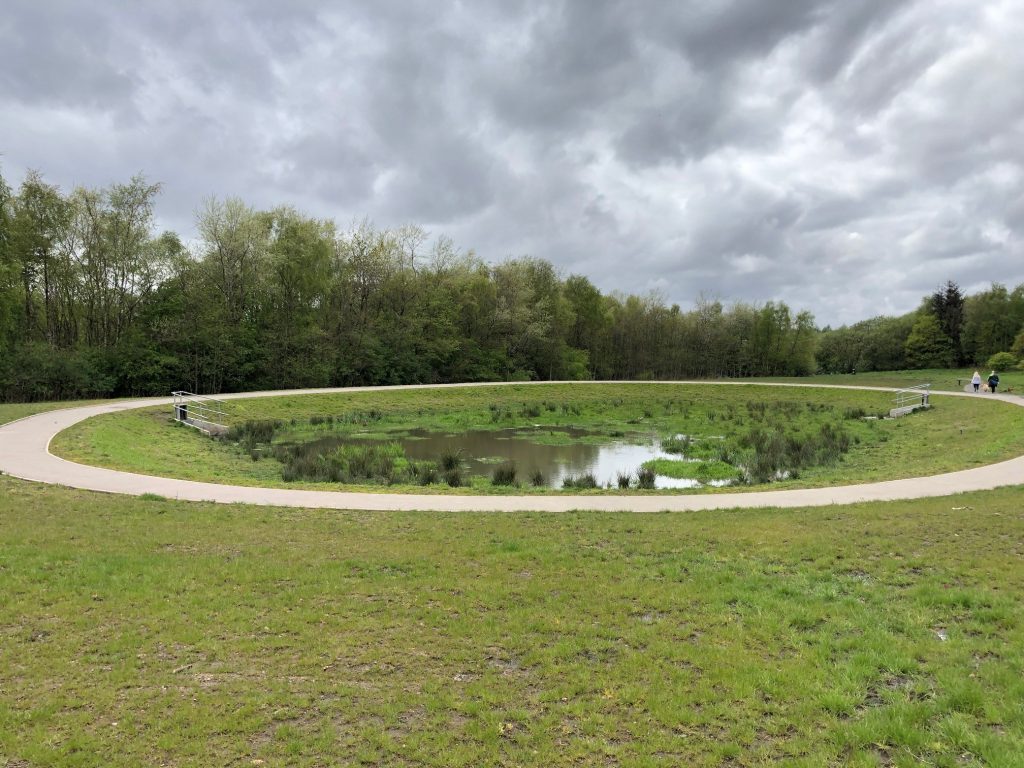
[(844, 156)]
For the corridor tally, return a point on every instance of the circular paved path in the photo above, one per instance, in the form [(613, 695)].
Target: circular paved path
[(24, 453)]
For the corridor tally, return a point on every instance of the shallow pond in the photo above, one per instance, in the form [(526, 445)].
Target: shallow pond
[(556, 452)]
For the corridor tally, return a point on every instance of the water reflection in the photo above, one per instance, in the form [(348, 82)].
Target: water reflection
[(483, 450)]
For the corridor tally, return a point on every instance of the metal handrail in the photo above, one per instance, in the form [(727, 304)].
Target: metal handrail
[(204, 413), (917, 394)]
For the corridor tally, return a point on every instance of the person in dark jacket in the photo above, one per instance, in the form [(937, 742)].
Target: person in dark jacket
[(993, 382)]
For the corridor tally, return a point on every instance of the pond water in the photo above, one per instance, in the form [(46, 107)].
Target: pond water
[(483, 450)]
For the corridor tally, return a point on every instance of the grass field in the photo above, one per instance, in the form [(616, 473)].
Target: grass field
[(957, 433), (943, 379), (151, 632), (14, 411)]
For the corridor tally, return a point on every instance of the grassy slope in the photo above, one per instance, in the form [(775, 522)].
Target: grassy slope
[(140, 632), (940, 378), (15, 411), (958, 433)]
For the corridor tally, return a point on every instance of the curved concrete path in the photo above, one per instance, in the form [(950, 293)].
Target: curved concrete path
[(24, 453)]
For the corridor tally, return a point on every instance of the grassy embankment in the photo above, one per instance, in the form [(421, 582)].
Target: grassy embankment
[(15, 411), (146, 632), (942, 379), (956, 433)]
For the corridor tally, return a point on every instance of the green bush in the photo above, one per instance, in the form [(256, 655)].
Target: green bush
[(1001, 361)]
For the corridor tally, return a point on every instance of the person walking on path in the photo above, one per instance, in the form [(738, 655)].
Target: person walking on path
[(976, 380), (993, 382)]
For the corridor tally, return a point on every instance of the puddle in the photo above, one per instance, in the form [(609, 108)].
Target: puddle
[(483, 450)]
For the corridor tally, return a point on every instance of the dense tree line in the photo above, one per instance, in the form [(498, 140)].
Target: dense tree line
[(949, 329), (95, 302)]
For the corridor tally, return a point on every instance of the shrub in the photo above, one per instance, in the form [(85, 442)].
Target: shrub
[(1001, 361)]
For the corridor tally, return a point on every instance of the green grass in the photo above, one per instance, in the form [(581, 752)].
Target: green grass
[(14, 411), (942, 379), (156, 632), (955, 434), (692, 470)]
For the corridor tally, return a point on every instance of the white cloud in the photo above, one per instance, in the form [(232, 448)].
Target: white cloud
[(731, 149)]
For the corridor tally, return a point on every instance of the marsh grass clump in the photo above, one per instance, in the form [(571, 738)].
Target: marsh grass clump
[(676, 444), (537, 479), (375, 463), (504, 475), (773, 454), (571, 409), (702, 471), (360, 418), (623, 479), (450, 459), (757, 408), (530, 410), (854, 413), (499, 413), (586, 480), (425, 472), (254, 431), (453, 477), (645, 478)]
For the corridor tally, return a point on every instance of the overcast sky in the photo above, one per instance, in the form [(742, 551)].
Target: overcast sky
[(844, 156)]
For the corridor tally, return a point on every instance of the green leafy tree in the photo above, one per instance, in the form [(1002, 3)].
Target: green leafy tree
[(1017, 348), (877, 344), (589, 324), (993, 318), (43, 245), (927, 346), (8, 273), (118, 265), (294, 297), (947, 304)]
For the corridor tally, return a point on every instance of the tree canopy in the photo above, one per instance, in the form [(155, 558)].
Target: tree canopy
[(94, 301)]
